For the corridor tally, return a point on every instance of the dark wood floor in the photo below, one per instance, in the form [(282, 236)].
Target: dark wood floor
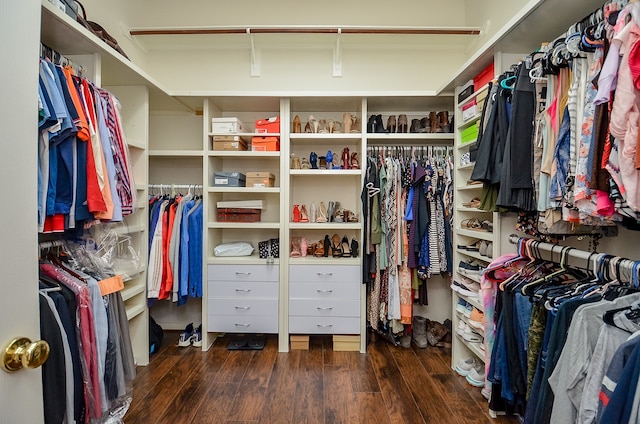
[(386, 385)]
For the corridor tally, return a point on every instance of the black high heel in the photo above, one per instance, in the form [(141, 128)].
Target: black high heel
[(354, 248), (327, 246), (346, 251)]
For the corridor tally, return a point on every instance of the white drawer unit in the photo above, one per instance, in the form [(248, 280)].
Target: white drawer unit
[(324, 273), (243, 272), (324, 325), (243, 324), (243, 289), (242, 307), (323, 290)]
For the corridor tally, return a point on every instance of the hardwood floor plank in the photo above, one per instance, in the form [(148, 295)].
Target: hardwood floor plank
[(399, 402), (458, 400), (363, 378), (147, 377), (278, 405), (433, 360), (338, 394), (235, 366), (368, 408), (429, 399), (185, 404), (215, 404), (247, 406), (308, 404)]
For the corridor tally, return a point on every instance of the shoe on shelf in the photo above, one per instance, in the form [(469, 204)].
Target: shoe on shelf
[(476, 319), (472, 336), (296, 213), (473, 247), (313, 212), (391, 124), (461, 327), (473, 203), (295, 247), (303, 247), (403, 123), (186, 337), (462, 289), (336, 246), (461, 306), (464, 366), (354, 161), (346, 249), (295, 161), (347, 122), (489, 250), (345, 161), (313, 160), (354, 248), (197, 336), (476, 376), (297, 125), (322, 213), (303, 214), (469, 266), (304, 164)]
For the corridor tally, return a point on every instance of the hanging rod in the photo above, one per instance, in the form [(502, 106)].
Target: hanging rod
[(297, 29), (577, 258), (172, 186)]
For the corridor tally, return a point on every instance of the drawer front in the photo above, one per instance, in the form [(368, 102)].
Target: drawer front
[(324, 325), (245, 324), (324, 290), (324, 308), (243, 289), (242, 307), (325, 273), (243, 272)]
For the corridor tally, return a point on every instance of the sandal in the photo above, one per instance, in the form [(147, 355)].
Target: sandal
[(318, 251), (474, 203), (346, 251), (336, 248), (296, 213), (487, 226), (327, 246), (473, 247), (295, 247), (295, 161), (354, 161), (338, 216), (303, 214), (304, 164), (471, 224), (322, 213), (350, 216), (303, 247)]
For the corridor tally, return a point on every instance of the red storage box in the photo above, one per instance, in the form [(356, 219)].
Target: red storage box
[(238, 215), (265, 144), (268, 125), (483, 77)]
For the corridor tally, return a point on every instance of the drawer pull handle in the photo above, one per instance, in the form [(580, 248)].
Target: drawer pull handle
[(242, 325), (243, 273), (324, 325), (324, 291), (243, 290), (327, 274), (324, 309), (244, 308)]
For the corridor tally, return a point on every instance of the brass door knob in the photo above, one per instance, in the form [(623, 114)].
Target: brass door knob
[(22, 352)]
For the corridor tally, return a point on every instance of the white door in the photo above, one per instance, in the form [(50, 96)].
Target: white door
[(21, 391)]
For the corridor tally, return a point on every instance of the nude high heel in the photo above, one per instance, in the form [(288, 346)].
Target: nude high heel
[(391, 124), (403, 124), (347, 121), (297, 125)]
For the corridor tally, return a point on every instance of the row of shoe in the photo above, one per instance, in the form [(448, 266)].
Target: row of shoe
[(329, 161), (425, 332), (483, 247), (435, 122), (472, 369), (350, 124), (322, 214), (470, 268), (334, 247), (191, 336)]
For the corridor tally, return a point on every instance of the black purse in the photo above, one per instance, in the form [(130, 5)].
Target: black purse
[(269, 248)]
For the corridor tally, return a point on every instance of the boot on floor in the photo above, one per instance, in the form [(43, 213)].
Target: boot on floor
[(419, 332)]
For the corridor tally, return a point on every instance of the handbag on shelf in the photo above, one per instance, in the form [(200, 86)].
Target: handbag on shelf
[(269, 248), (98, 30)]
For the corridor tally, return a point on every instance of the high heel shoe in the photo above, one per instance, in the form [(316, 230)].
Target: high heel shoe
[(322, 213), (313, 212), (297, 125), (295, 161), (313, 158), (296, 213), (347, 121), (303, 214), (379, 124), (305, 164), (322, 162), (331, 125), (434, 122), (354, 248), (371, 124), (329, 159), (327, 245), (415, 126), (331, 211), (295, 247), (337, 127), (303, 247), (403, 124), (356, 125), (322, 126), (346, 161), (346, 250), (336, 247), (391, 124), (354, 161), (313, 124)]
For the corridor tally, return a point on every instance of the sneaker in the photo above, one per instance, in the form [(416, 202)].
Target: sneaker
[(196, 338), (475, 377), (462, 289), (476, 320), (461, 327), (486, 393), (467, 310), (472, 336), (186, 336), (461, 306), (465, 365), (469, 266)]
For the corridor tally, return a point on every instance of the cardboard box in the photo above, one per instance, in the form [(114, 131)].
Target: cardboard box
[(268, 125), (228, 179), (228, 126), (229, 142), (265, 144), (346, 343), (238, 215), (260, 179), (299, 342), (466, 91)]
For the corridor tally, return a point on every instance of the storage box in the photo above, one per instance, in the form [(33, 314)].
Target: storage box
[(229, 126), (299, 342), (268, 125), (260, 179), (466, 91), (469, 110), (229, 142), (229, 179), (265, 144), (469, 134), (484, 77), (238, 215), (346, 343)]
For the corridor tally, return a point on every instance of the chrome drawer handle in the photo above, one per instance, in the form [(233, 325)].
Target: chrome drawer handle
[(243, 325), (242, 273), (324, 291), (324, 325), (243, 290), (244, 308), (328, 274), (324, 309)]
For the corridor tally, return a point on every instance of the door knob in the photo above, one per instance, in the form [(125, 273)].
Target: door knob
[(22, 352)]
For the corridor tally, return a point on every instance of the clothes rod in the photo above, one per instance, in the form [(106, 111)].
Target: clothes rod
[(175, 185), (310, 30), (622, 268)]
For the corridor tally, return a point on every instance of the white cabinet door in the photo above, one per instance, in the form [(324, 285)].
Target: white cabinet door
[(21, 400)]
